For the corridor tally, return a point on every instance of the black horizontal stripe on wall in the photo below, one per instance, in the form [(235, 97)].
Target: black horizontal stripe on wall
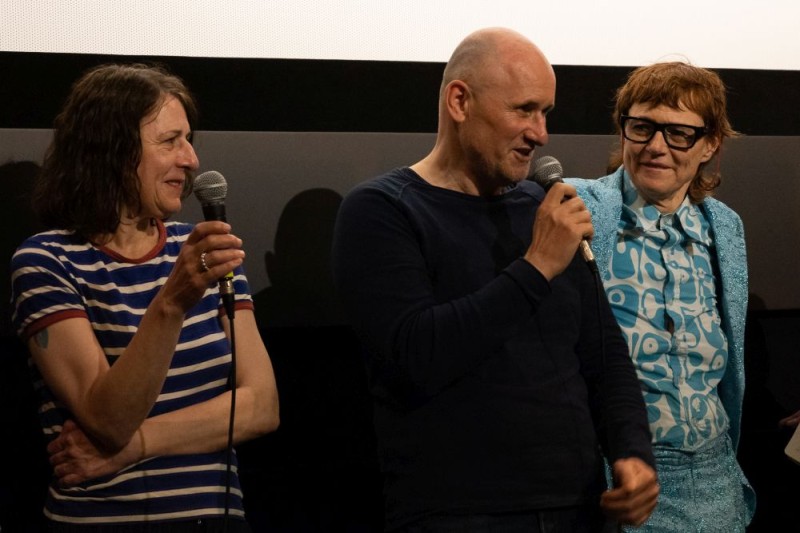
[(363, 96)]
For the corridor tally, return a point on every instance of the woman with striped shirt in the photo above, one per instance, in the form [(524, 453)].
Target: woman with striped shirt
[(129, 346)]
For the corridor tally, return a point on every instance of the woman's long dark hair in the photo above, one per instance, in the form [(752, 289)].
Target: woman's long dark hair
[(89, 173)]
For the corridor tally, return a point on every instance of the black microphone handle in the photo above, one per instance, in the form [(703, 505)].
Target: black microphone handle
[(216, 211)]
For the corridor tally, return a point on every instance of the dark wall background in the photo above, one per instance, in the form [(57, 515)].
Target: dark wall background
[(276, 128), (292, 137), (376, 96)]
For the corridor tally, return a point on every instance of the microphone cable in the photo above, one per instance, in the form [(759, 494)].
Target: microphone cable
[(229, 447), (210, 188)]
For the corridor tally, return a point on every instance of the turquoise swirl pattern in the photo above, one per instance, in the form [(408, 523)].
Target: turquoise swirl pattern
[(662, 289)]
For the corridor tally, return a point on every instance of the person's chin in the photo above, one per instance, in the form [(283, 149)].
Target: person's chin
[(170, 210), (518, 173), (647, 178)]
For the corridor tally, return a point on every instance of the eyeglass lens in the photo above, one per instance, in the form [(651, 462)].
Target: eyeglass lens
[(676, 135)]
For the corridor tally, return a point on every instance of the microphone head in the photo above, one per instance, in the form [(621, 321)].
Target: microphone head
[(210, 187), (547, 171)]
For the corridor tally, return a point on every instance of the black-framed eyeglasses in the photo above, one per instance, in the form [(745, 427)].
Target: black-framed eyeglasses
[(641, 130)]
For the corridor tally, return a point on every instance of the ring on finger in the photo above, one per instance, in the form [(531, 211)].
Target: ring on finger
[(203, 264)]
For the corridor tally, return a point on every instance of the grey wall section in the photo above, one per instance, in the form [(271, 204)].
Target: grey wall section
[(287, 185)]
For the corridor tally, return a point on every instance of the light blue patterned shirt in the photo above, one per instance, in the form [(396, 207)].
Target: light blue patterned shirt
[(662, 290)]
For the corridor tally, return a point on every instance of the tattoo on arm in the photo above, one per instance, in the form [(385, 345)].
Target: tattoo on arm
[(42, 338)]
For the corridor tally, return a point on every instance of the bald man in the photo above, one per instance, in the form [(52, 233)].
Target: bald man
[(500, 378)]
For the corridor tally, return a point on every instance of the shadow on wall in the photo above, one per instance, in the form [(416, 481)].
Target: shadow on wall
[(319, 470), (772, 373), (24, 483), (299, 269), (18, 223)]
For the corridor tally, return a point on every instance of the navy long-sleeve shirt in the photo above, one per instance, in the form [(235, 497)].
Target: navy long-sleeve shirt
[(494, 389)]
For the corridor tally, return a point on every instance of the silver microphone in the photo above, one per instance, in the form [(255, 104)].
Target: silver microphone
[(546, 171), (211, 189)]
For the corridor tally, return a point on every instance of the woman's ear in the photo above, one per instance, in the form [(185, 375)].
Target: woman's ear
[(710, 150)]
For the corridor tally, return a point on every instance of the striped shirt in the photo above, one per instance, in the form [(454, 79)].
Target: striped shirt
[(55, 276)]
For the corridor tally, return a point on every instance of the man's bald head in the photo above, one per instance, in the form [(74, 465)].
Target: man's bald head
[(485, 53), (496, 92)]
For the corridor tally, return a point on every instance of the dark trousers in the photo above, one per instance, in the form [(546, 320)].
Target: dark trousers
[(583, 519)]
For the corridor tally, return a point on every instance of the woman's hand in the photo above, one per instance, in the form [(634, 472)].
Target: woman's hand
[(75, 458), (209, 253)]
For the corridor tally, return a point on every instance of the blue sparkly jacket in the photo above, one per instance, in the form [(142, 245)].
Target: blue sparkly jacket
[(603, 198)]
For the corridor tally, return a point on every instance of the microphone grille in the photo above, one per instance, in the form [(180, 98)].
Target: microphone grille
[(210, 187), (546, 171)]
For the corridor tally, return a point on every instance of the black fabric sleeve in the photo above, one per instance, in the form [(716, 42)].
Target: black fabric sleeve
[(615, 395), (382, 277)]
